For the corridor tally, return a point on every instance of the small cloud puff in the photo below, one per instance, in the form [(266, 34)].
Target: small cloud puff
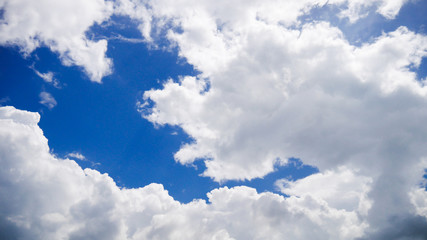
[(47, 100), (76, 155)]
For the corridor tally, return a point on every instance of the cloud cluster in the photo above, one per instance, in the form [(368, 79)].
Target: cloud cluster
[(60, 26), (63, 26), (269, 92), (51, 198), (272, 87)]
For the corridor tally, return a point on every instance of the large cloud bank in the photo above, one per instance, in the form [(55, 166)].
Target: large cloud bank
[(44, 197), (271, 87), (268, 92)]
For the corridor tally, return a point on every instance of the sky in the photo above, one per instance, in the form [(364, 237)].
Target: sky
[(166, 119)]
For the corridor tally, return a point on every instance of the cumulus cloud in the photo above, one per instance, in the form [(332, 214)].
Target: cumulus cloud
[(360, 8), (272, 92), (61, 26), (47, 100), (340, 189), (419, 199), (272, 88), (44, 197)]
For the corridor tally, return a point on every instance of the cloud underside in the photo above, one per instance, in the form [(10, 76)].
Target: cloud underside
[(270, 87)]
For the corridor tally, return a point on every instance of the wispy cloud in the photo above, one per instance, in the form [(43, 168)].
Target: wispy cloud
[(126, 39), (4, 100), (81, 157), (76, 155), (47, 100), (48, 77)]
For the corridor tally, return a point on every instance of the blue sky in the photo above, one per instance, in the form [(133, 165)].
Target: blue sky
[(101, 121), (325, 106)]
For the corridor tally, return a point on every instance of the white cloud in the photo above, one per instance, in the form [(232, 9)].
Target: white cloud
[(360, 8), (390, 8), (291, 93), (270, 88), (76, 155), (43, 197), (81, 157), (48, 100), (340, 189), (48, 77), (419, 199), (61, 26), (273, 88), (129, 40)]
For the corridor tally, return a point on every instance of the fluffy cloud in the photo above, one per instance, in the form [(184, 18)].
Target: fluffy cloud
[(272, 88), (212, 15), (419, 199), (61, 26), (44, 197), (351, 188), (280, 93)]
